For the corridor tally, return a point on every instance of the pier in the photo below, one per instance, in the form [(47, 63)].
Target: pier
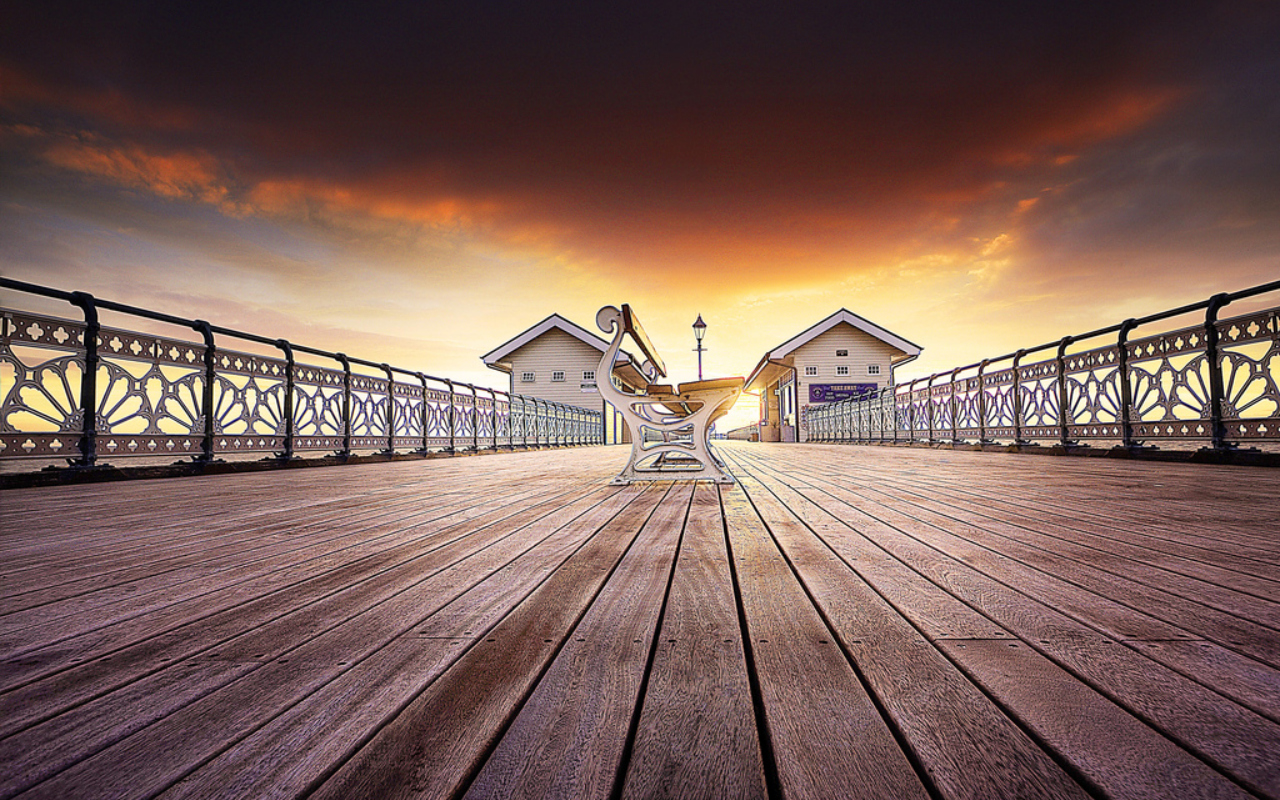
[(843, 622)]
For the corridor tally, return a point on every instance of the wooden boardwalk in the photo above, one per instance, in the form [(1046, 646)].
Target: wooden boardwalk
[(845, 622)]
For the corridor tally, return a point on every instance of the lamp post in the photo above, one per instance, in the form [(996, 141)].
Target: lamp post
[(699, 330)]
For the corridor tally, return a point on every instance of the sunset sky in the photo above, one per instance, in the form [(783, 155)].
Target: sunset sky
[(419, 182)]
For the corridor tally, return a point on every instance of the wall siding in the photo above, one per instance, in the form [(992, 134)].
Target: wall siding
[(864, 350), (556, 350)]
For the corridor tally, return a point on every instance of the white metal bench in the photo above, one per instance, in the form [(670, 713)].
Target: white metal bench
[(670, 428)]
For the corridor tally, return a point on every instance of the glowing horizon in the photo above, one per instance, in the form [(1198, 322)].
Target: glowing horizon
[(435, 183)]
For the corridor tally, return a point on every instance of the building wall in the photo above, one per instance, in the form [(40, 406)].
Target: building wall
[(863, 349), (552, 351)]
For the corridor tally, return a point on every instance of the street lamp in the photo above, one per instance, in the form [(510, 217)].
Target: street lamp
[(699, 330)]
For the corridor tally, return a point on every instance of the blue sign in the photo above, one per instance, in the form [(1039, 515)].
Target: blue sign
[(831, 392)]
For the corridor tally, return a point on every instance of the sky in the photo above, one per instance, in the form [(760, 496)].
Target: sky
[(416, 183)]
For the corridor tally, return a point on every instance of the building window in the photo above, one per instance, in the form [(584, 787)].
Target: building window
[(526, 377), (842, 352), (557, 376), (588, 375), (842, 370), (809, 372), (873, 369)]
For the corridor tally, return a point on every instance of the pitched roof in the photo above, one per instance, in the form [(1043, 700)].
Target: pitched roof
[(555, 321), (845, 316)]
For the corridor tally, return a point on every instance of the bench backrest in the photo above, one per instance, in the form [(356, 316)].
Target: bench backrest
[(632, 326)]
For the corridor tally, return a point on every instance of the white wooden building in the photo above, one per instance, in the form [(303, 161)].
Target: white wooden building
[(557, 359), (842, 355)]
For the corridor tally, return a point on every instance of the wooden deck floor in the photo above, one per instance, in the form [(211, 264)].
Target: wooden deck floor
[(845, 622)]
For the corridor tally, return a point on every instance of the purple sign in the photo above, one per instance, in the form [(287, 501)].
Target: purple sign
[(831, 392)]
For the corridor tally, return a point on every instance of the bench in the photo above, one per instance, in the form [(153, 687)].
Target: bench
[(670, 427)]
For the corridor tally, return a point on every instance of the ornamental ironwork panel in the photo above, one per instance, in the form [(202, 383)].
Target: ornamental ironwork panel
[(1250, 350), (1158, 387)]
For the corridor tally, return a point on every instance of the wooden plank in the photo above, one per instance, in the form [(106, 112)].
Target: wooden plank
[(697, 734), (967, 746), (1237, 741), (433, 746), (252, 667), (826, 735), (568, 737), (1188, 620), (86, 661), (297, 748), (1119, 754)]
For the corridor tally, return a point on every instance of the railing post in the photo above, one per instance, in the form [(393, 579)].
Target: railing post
[(210, 376), (475, 418), (1126, 391), (895, 412), (928, 410), (955, 417), (426, 414), (524, 422), (346, 406), (1062, 390), (452, 445), (89, 381), (1017, 398), (982, 401), (289, 431), (494, 411), (1217, 393), (911, 409), (391, 409)]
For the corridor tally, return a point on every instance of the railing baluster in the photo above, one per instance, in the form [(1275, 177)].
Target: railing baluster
[(289, 426), (346, 406), (1126, 390), (391, 410), (89, 381), (210, 377), (1017, 398), (426, 414), (1217, 430), (452, 426), (982, 401), (1063, 422)]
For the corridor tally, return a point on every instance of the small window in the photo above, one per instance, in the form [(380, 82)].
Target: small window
[(526, 377), (842, 353), (842, 370), (810, 371), (588, 375), (557, 376), (873, 369)]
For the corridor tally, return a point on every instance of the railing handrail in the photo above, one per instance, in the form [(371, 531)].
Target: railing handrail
[(1063, 423), (576, 425)]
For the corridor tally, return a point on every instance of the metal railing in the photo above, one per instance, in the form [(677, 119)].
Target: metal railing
[(79, 390), (1217, 383)]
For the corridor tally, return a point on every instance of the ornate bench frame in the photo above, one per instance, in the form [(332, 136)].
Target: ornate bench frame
[(679, 419)]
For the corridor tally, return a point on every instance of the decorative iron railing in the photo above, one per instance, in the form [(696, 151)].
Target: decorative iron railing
[(155, 395), (1217, 383)]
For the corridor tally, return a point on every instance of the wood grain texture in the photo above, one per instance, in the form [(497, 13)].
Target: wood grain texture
[(697, 735), (827, 736), (845, 622)]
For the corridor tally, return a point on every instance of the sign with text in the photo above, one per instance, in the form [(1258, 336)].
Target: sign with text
[(831, 392)]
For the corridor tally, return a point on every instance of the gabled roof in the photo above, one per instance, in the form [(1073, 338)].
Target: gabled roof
[(844, 316), (555, 321)]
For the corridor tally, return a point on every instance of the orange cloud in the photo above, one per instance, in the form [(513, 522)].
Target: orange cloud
[(177, 175)]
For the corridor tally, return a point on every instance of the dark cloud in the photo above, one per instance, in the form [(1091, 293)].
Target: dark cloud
[(659, 131)]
